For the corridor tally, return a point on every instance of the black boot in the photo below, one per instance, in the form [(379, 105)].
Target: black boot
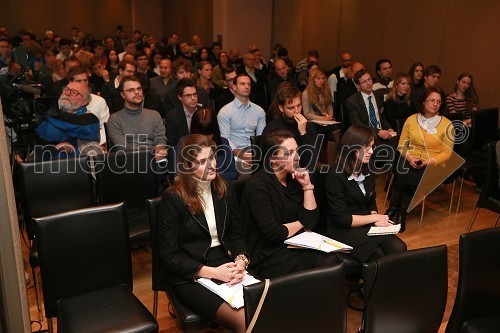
[(392, 211), (401, 218)]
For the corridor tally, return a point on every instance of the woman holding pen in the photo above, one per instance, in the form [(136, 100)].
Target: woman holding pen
[(352, 208)]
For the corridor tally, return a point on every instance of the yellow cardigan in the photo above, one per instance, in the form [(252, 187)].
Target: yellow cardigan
[(422, 145)]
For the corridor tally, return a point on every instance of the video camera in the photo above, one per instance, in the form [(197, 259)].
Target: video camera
[(21, 99)]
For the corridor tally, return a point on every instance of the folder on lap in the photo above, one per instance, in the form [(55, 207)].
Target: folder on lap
[(233, 295), (390, 230), (315, 241)]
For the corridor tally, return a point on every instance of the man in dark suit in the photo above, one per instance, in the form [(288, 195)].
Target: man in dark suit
[(258, 80), (365, 108), (179, 118)]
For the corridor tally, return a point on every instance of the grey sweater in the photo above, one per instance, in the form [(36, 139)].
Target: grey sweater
[(136, 128)]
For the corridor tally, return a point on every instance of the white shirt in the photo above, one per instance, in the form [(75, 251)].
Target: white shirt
[(99, 107), (209, 210), (361, 177), (374, 102)]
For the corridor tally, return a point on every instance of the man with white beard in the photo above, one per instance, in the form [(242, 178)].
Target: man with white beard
[(73, 127)]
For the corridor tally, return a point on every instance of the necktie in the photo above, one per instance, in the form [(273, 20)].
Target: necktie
[(373, 117)]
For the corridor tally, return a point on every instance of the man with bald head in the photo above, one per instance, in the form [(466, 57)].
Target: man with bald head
[(74, 127), (348, 88), (281, 74)]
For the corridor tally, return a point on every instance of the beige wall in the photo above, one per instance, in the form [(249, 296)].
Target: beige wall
[(95, 16), (187, 18), (243, 22), (458, 35)]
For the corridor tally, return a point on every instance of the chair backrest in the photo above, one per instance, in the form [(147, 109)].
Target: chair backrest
[(158, 283), (50, 187), (308, 301), (478, 290), (490, 185), (258, 157), (127, 176), (344, 118), (484, 127), (82, 250), (406, 292)]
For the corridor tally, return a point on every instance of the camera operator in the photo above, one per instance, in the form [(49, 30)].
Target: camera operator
[(74, 127)]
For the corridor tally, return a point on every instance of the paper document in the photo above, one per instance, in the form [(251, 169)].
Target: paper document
[(390, 230), (312, 240), (325, 122), (233, 295)]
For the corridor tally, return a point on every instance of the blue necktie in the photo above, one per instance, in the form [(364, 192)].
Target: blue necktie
[(373, 116)]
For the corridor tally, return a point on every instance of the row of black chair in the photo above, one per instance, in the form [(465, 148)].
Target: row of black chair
[(54, 186), (403, 293)]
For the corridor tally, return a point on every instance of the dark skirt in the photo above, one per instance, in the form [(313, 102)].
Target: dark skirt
[(286, 261), (408, 176), (364, 246), (200, 299)]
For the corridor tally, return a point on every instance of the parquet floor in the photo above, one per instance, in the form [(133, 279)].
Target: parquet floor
[(437, 228)]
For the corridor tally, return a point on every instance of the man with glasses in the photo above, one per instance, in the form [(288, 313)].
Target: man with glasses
[(179, 118), (74, 127), (136, 127)]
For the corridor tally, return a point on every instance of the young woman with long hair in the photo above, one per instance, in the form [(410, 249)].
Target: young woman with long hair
[(201, 233)]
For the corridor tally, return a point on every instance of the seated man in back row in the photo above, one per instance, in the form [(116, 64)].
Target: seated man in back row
[(135, 127), (241, 119)]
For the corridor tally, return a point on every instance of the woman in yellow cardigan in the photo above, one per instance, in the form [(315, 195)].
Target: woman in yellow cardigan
[(426, 140)]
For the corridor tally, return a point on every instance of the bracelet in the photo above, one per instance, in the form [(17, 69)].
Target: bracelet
[(310, 188), (244, 258)]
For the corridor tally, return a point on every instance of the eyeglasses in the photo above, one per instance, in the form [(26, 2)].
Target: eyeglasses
[(133, 90), (72, 92), (434, 101), (190, 95), (368, 147)]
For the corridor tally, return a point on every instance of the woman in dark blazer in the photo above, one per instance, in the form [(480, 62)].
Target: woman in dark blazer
[(201, 233), (278, 202), (352, 209)]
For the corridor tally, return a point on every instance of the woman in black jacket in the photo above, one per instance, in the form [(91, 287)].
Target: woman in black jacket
[(278, 202), (352, 209), (201, 233)]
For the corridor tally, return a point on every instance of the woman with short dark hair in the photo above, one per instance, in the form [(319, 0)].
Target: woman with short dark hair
[(426, 140), (352, 208)]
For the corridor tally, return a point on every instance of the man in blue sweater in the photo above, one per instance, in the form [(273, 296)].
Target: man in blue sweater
[(73, 128)]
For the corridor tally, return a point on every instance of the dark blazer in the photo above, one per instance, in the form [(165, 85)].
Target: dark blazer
[(258, 90), (176, 125), (185, 238), (266, 208), (345, 199), (358, 114)]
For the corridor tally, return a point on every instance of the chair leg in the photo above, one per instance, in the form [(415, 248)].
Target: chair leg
[(50, 325), (451, 196), (460, 194), (472, 219), (496, 221), (38, 294), (423, 210), (388, 189), (155, 304)]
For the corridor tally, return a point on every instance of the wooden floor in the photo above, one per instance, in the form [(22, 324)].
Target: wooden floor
[(437, 228)]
